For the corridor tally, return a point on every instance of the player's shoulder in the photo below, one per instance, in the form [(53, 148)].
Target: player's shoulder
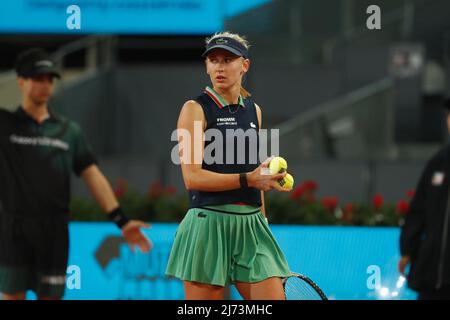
[(200, 101), (191, 103), (192, 106), (192, 111)]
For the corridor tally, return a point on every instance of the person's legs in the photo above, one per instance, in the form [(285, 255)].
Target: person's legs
[(16, 268), (14, 282), (268, 289), (50, 240), (200, 291)]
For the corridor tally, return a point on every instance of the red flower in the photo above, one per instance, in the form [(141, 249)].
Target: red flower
[(377, 201), (309, 188), (402, 207), (310, 185), (305, 192), (330, 203), (348, 207), (121, 188), (348, 212), (309, 197), (411, 193)]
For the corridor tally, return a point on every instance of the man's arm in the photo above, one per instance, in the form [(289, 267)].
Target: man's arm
[(100, 188), (103, 193)]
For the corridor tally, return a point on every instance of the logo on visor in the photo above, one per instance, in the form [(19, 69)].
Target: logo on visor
[(221, 41)]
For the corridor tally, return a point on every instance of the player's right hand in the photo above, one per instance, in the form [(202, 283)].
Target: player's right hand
[(135, 237)]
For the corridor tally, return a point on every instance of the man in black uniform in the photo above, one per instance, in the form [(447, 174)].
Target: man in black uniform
[(39, 150), (424, 241)]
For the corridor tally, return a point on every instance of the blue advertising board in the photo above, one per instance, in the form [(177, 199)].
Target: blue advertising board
[(351, 263)]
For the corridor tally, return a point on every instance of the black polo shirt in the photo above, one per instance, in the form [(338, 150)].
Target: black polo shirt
[(36, 162)]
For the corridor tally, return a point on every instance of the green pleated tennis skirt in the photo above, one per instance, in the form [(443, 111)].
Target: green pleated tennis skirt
[(222, 244)]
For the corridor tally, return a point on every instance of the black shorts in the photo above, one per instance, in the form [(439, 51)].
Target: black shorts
[(34, 255)]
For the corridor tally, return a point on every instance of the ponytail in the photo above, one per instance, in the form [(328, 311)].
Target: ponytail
[(245, 93)]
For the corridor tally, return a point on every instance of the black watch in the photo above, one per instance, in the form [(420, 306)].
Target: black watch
[(243, 180)]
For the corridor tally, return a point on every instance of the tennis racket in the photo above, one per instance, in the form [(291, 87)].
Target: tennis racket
[(300, 287)]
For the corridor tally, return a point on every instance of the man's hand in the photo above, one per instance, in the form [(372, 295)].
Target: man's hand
[(132, 233), (404, 261)]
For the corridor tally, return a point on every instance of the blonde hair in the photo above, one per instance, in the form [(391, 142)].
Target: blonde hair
[(241, 39)]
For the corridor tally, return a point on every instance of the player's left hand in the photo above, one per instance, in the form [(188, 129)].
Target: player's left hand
[(134, 236)]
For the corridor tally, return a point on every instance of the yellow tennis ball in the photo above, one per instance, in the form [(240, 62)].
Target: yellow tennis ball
[(287, 182), (277, 165)]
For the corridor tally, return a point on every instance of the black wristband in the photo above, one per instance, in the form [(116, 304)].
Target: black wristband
[(243, 180), (118, 217)]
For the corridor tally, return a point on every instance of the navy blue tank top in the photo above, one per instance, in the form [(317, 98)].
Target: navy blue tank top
[(244, 120)]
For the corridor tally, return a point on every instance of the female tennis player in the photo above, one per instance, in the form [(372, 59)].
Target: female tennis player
[(224, 237)]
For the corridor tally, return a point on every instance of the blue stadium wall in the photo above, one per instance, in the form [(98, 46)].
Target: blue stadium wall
[(346, 262)]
